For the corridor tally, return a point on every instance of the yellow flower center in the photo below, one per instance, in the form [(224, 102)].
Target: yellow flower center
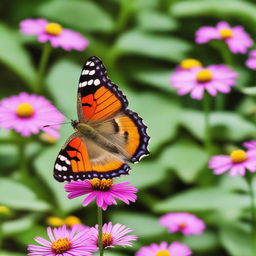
[(24, 110), (163, 253), (61, 245), (54, 29), (4, 210), (238, 156), (182, 225), (103, 185), (70, 221), (190, 63), (54, 221), (204, 76), (226, 33), (107, 239), (45, 137)]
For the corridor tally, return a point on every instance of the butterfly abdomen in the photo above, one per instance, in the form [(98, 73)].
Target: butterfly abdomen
[(90, 133)]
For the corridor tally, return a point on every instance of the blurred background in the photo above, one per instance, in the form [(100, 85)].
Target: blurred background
[(140, 43)]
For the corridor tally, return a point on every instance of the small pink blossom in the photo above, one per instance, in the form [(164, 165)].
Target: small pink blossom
[(250, 146), (236, 163), (54, 33), (213, 79), (113, 235), (236, 38), (174, 249), (64, 242), (183, 222), (28, 113), (103, 191), (251, 61)]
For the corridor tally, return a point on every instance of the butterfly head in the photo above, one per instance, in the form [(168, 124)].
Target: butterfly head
[(74, 123)]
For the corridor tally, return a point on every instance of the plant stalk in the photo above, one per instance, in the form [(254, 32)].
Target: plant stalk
[(100, 222)]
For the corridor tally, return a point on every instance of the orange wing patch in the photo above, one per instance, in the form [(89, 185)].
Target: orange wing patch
[(101, 105)]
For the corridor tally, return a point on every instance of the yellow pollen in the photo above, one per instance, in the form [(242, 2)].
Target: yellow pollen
[(61, 245), (182, 225), (107, 239), (24, 110), (190, 63), (70, 221), (204, 76), (45, 137), (163, 253), (54, 221), (226, 33), (103, 185), (238, 156), (54, 29)]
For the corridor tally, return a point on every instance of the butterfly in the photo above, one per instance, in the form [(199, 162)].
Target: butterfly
[(107, 134)]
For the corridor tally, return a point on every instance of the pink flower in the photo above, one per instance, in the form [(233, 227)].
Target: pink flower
[(213, 79), (54, 33), (164, 249), (63, 242), (28, 113), (184, 222), (250, 146), (251, 62), (113, 235), (236, 163), (104, 191), (236, 38)]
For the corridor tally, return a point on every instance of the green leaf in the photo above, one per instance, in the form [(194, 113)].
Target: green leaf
[(205, 242), (186, 158), (14, 56), (143, 225), (204, 199), (236, 239), (161, 127), (154, 46), (242, 10), (82, 15), (5, 253), (155, 21), (20, 225), (17, 196), (63, 77), (249, 90), (224, 125)]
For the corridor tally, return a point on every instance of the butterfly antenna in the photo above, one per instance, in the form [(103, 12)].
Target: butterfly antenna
[(49, 125)]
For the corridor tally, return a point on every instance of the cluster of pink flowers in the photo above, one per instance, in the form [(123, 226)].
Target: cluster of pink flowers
[(237, 162)]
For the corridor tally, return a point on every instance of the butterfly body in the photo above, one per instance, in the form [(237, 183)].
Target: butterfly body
[(107, 135)]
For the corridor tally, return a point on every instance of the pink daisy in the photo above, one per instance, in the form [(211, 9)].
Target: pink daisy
[(250, 145), (164, 249), (28, 113), (236, 163), (54, 33), (236, 38), (213, 79), (184, 222), (251, 62), (104, 191), (63, 242), (113, 235)]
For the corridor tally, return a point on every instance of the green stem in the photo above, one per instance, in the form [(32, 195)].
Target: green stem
[(42, 66), (100, 242), (249, 179), (207, 130), (23, 162), (1, 235)]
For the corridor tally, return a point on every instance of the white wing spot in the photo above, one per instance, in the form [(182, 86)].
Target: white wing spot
[(64, 168), (63, 158), (85, 72), (90, 82), (97, 81), (88, 63), (92, 64), (92, 72), (67, 162), (84, 84)]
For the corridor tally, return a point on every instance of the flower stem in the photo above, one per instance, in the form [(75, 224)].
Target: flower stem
[(249, 179), (42, 66), (100, 242), (22, 162), (207, 130)]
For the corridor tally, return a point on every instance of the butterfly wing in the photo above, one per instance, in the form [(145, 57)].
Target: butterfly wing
[(80, 160), (98, 98)]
